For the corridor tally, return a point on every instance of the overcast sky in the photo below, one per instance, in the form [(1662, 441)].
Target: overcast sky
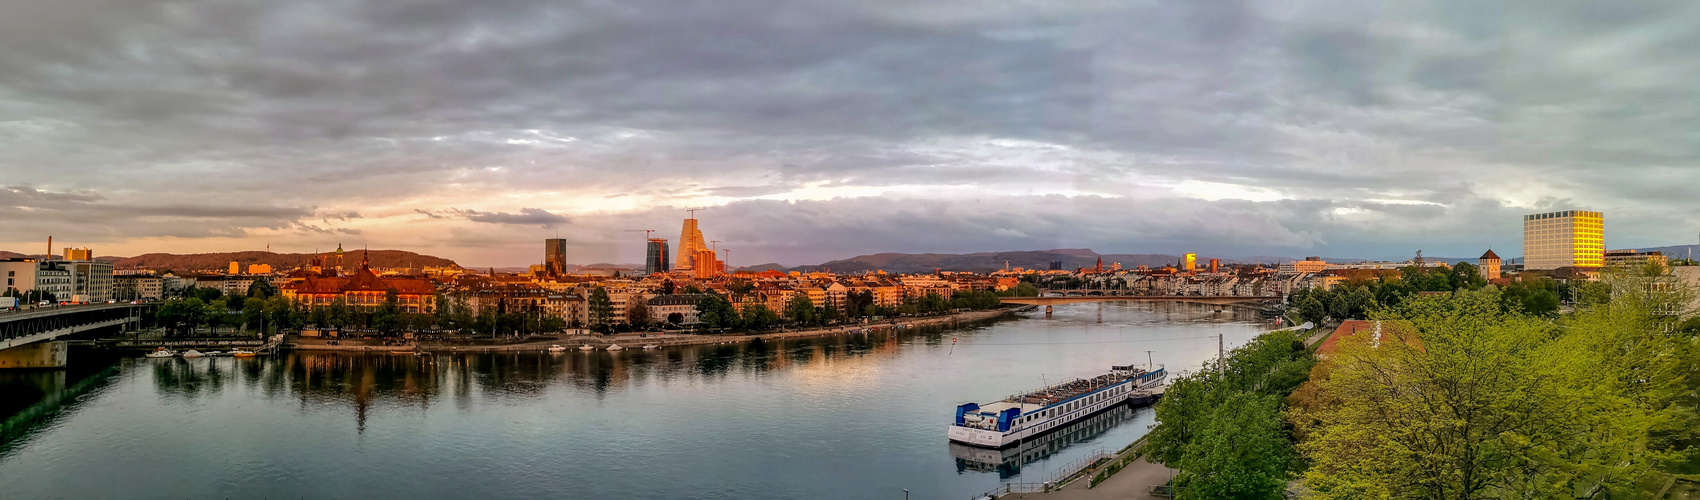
[(819, 130)]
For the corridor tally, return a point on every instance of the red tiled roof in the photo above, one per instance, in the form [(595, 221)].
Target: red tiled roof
[(363, 280)]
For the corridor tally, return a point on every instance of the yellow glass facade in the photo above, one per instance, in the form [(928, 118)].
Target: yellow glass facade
[(1570, 238)]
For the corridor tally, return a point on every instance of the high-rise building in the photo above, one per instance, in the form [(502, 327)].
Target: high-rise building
[(690, 244), (1056, 265), (1570, 238), (235, 268), (1488, 264), (555, 256), (706, 264), (656, 259), (1215, 265), (79, 254), (1190, 262)]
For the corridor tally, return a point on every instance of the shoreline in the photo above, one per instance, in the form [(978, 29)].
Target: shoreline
[(634, 342)]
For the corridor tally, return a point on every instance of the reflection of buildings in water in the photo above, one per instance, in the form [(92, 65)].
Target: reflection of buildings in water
[(1007, 462), (35, 399)]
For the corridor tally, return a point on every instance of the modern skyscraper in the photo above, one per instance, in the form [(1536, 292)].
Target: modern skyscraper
[(555, 256), (656, 260), (690, 243), (1571, 238), (1190, 262)]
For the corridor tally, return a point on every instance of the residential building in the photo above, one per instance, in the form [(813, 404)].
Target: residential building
[(90, 279), (235, 267), (1628, 258), (705, 264), (663, 307), (129, 287), (19, 274), (1309, 265), (1571, 238), (79, 254), (1189, 262), (259, 268)]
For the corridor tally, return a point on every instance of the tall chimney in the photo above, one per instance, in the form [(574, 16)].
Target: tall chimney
[(49, 248)]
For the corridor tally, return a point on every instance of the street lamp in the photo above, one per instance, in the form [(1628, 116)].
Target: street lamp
[(906, 494)]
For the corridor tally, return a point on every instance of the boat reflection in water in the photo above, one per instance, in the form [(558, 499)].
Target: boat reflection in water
[(1007, 462)]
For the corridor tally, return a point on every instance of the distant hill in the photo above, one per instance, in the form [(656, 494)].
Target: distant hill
[(279, 261), (1674, 251), (771, 266), (987, 261)]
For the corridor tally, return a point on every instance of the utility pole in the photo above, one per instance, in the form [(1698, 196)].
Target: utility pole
[(1219, 357)]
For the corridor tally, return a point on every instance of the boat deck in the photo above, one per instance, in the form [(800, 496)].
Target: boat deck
[(1069, 390)]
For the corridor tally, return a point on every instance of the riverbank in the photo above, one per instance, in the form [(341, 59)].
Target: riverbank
[(634, 341)]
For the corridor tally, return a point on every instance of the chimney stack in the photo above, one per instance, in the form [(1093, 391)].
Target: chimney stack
[(49, 248)]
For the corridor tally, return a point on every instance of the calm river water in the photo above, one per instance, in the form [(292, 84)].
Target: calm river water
[(844, 417)]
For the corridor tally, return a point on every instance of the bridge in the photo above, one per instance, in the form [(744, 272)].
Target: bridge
[(27, 337), (1059, 297)]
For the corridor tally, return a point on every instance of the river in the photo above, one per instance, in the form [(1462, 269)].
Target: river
[(849, 417)]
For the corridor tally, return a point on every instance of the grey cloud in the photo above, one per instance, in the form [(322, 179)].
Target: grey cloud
[(119, 118), (525, 217)]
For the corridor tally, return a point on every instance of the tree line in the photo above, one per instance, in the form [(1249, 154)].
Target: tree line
[(1464, 395)]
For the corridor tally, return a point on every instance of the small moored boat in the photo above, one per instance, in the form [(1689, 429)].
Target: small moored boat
[(557, 348), (241, 353), (586, 348), (651, 346), (615, 347), (162, 353), (192, 354)]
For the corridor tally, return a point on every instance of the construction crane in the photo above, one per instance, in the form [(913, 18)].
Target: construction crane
[(694, 210), (644, 231), (727, 262)]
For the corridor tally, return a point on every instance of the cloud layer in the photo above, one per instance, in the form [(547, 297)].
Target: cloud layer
[(820, 130)]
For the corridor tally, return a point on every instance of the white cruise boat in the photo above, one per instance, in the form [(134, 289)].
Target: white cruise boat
[(163, 353), (1025, 416)]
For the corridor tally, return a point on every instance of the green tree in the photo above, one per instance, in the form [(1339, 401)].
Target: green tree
[(800, 310), (1490, 403), (601, 309), (1311, 309), (387, 318), (1221, 426), (262, 288), (254, 313), (757, 316), (1241, 450), (638, 314), (180, 316)]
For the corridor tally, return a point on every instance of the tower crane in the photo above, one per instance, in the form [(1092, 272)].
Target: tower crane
[(694, 210), (644, 231)]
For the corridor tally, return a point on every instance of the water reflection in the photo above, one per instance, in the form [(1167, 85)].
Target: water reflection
[(360, 381)]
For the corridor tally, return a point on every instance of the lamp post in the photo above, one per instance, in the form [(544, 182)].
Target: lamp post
[(906, 494)]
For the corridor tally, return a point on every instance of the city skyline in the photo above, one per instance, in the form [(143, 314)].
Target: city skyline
[(825, 131)]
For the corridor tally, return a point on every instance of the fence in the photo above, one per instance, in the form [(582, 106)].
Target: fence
[(1056, 478)]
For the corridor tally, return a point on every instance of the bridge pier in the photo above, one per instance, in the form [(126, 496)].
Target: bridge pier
[(50, 354)]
